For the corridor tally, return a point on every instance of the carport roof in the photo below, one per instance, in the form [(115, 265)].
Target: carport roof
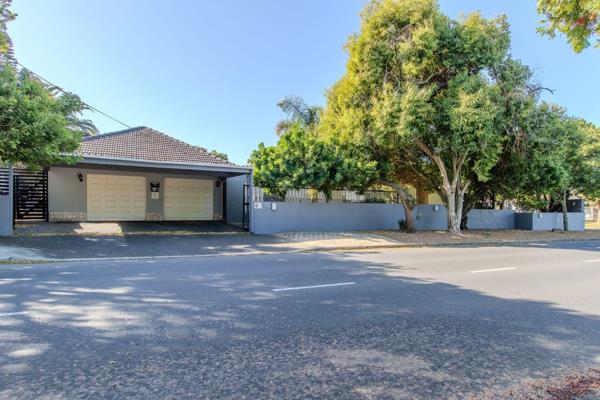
[(143, 144)]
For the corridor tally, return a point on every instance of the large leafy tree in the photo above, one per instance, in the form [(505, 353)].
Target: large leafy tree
[(562, 159), (39, 124), (429, 98), (6, 15), (578, 20), (300, 159)]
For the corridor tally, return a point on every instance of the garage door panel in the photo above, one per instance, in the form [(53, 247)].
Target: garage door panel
[(116, 198), (188, 199)]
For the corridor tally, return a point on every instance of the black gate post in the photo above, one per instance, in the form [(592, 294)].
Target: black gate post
[(224, 198), (15, 197), (46, 213), (246, 207)]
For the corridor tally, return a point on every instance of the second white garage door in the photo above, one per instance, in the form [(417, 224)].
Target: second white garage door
[(188, 199)]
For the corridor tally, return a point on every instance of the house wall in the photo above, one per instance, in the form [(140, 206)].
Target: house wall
[(67, 197), (592, 212)]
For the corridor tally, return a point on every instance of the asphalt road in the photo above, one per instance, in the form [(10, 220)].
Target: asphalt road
[(404, 323)]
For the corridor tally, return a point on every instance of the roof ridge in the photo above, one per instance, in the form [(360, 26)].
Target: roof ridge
[(178, 140), (119, 132)]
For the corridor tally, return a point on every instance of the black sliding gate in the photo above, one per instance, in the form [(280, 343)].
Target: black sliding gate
[(30, 193)]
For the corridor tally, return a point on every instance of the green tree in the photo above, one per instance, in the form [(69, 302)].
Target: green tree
[(428, 98), (35, 128), (38, 125), (6, 15), (220, 154), (562, 159), (578, 20), (300, 159), (298, 112)]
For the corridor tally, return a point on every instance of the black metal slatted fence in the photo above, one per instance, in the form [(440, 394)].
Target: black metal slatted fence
[(3, 182), (31, 195)]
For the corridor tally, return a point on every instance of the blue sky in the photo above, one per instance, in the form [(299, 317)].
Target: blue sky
[(211, 72)]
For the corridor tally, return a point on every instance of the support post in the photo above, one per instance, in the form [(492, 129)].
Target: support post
[(6, 206)]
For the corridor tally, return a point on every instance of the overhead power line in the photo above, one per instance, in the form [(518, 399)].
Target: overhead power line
[(64, 91)]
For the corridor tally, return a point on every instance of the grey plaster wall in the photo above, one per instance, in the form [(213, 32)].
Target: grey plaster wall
[(289, 217), (66, 194), (235, 198), (6, 208), (524, 221), (428, 219), (6, 219), (491, 219), (548, 221)]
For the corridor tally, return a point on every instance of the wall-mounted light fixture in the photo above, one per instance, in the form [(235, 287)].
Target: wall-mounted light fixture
[(80, 176), (436, 207)]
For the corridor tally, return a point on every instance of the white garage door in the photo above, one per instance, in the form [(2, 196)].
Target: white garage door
[(116, 198), (188, 199)]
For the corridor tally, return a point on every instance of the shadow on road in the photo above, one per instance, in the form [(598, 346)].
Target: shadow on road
[(215, 329)]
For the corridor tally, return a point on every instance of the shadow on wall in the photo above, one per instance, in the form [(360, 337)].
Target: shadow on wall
[(173, 328)]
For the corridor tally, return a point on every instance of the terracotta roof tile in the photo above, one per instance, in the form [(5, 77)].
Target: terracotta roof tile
[(142, 143)]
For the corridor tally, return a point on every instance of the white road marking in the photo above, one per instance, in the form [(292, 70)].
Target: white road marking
[(492, 270), (10, 314), (590, 261), (313, 287)]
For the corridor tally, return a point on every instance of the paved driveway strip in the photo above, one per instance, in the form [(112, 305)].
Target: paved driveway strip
[(414, 323)]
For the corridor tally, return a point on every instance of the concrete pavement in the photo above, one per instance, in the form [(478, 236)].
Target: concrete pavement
[(378, 324), (161, 245)]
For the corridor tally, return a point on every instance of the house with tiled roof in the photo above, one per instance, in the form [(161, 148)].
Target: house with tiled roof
[(140, 174)]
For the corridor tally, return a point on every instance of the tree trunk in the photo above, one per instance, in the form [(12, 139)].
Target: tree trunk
[(407, 203), (453, 212), (564, 211), (410, 220), (464, 220)]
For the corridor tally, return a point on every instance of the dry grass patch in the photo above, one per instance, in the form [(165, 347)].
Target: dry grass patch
[(497, 236)]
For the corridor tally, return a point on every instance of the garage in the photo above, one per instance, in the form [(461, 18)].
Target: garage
[(188, 199), (116, 198)]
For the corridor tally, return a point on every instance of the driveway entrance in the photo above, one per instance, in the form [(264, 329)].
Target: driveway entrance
[(124, 228)]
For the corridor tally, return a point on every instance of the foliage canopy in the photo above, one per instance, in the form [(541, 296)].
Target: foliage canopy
[(431, 99), (39, 124), (578, 20), (302, 160)]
